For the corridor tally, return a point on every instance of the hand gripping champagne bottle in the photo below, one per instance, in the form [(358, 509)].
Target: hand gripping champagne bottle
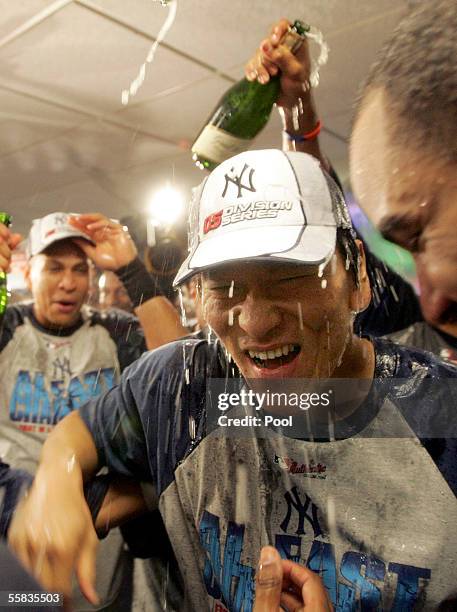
[(6, 220), (241, 113)]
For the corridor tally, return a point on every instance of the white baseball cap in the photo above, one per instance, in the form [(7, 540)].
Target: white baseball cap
[(264, 205), (50, 229)]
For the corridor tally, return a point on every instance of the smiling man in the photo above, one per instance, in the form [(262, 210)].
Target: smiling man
[(281, 279)]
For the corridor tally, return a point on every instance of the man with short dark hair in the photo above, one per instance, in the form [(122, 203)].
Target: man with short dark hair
[(281, 278), (404, 161)]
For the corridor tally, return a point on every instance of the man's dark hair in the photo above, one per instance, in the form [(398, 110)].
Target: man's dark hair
[(416, 68), (345, 234), (347, 246)]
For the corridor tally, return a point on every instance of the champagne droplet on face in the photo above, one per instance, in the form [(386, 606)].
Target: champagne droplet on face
[(232, 286), (300, 315)]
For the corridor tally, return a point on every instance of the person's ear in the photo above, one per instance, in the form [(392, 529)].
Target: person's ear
[(361, 295), (27, 278)]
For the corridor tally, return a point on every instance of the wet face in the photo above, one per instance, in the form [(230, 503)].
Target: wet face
[(412, 198), (59, 282), (112, 293), (282, 320)]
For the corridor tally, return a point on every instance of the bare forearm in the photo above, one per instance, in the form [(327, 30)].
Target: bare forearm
[(52, 531), (298, 122), (69, 452), (123, 501), (160, 322)]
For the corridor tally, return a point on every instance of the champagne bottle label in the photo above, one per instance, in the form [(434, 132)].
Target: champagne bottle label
[(217, 145), (242, 112)]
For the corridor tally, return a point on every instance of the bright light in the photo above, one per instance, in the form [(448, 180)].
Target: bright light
[(166, 206)]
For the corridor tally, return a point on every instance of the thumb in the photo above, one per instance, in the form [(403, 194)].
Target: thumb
[(85, 570), (15, 239), (268, 581)]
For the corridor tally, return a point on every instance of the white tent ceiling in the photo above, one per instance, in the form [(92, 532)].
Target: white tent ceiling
[(68, 143)]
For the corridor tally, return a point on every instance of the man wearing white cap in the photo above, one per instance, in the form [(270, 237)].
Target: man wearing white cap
[(281, 279), (56, 353)]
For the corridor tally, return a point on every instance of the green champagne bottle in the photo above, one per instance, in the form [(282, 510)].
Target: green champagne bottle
[(241, 113), (6, 220)]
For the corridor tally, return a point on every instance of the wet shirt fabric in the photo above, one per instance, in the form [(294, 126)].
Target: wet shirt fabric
[(376, 520), (45, 375), (424, 336)]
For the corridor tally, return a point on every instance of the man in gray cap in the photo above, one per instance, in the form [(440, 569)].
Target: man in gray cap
[(56, 353), (281, 279)]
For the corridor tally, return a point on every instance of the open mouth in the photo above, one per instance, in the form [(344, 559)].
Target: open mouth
[(274, 358), (65, 305)]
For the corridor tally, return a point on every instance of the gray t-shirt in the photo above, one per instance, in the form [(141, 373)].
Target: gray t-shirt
[(374, 514), (46, 374)]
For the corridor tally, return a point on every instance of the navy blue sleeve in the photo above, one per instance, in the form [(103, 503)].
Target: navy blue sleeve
[(13, 484), (114, 422), (14, 316), (145, 426), (425, 390), (125, 331)]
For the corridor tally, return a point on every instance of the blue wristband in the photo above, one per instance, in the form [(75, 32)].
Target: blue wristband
[(314, 133)]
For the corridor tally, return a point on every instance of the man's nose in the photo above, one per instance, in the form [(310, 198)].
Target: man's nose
[(68, 281), (258, 317)]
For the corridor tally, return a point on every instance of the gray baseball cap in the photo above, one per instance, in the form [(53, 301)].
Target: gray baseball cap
[(50, 229)]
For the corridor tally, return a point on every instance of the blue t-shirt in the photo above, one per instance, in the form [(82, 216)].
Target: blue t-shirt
[(373, 513)]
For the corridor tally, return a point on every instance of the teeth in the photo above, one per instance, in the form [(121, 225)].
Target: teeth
[(273, 353)]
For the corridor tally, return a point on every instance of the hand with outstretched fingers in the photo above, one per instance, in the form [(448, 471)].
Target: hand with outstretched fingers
[(114, 247), (283, 584), (53, 536)]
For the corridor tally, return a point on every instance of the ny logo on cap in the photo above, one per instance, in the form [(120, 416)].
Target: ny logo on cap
[(60, 218), (237, 180)]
